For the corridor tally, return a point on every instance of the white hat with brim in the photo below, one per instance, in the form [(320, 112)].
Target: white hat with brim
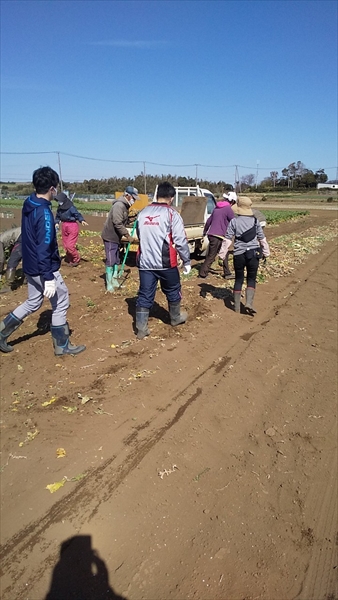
[(244, 207)]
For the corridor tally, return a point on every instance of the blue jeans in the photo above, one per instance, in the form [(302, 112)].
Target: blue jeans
[(170, 285)]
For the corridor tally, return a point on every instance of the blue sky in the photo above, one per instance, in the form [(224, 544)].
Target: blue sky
[(215, 83)]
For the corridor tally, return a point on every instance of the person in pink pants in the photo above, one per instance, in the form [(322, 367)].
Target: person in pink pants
[(70, 218)]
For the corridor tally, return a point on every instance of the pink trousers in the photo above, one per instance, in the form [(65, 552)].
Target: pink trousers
[(70, 233)]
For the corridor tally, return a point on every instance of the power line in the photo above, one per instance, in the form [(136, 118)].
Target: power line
[(58, 153)]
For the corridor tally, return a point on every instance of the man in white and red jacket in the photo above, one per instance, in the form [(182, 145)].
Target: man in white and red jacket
[(162, 237)]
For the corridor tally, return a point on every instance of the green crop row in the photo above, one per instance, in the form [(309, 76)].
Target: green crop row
[(273, 217)]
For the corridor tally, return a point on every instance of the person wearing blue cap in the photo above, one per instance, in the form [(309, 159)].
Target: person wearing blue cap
[(114, 229)]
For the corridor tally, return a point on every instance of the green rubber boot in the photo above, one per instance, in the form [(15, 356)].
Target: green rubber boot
[(115, 281), (109, 279)]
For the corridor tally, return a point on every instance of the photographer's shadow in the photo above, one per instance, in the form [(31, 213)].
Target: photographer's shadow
[(80, 573)]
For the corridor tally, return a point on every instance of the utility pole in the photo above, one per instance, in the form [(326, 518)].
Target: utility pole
[(60, 174), (144, 177), (237, 182), (196, 175), (257, 174)]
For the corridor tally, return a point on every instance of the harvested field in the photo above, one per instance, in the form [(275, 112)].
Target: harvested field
[(199, 463)]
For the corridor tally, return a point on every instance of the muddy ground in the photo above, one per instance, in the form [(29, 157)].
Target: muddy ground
[(199, 463)]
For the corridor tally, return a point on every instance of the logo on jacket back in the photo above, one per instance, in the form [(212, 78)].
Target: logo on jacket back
[(48, 226), (151, 220)]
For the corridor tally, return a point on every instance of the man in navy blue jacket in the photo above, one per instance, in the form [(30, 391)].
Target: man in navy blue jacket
[(41, 263)]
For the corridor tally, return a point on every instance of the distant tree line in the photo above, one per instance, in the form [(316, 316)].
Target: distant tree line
[(294, 177), (143, 184), (118, 184)]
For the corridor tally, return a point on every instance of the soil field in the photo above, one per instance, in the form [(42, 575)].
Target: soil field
[(199, 463)]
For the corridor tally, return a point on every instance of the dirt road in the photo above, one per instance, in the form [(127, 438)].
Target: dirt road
[(200, 463)]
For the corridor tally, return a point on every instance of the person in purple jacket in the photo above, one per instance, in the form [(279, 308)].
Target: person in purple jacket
[(216, 228), (41, 262)]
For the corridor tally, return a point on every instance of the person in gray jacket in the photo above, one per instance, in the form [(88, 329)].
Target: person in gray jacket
[(162, 237), (10, 240), (248, 239), (114, 230)]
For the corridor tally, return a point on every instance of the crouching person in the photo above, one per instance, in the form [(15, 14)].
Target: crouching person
[(160, 227), (41, 263)]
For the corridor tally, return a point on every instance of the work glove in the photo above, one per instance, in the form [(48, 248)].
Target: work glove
[(186, 269), (50, 288)]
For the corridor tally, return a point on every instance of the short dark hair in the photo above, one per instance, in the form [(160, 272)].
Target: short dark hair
[(45, 178), (166, 190)]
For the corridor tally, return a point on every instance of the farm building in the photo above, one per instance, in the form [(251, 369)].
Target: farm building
[(332, 185)]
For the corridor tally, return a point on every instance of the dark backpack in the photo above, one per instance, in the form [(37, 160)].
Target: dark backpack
[(249, 234)]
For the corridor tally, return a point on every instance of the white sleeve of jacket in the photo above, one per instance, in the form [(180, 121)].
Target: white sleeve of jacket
[(265, 247), (180, 238)]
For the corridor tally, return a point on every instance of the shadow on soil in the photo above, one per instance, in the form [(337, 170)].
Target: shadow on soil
[(224, 294), (80, 573), (43, 327), (157, 311)]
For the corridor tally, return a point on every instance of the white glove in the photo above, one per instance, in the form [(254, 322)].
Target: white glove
[(50, 288), (186, 269)]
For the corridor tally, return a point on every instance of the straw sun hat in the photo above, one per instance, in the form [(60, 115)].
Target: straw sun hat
[(244, 206)]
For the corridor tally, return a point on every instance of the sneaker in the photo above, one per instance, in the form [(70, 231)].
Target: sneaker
[(231, 276)]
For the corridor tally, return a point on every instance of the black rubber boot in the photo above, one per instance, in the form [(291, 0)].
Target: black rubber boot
[(62, 345), (142, 315), (249, 298), (7, 326), (176, 316), (237, 302)]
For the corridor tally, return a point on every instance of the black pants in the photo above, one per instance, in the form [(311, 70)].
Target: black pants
[(215, 244), (250, 262)]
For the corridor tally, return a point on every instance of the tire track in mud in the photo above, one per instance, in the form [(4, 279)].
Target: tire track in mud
[(105, 480)]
